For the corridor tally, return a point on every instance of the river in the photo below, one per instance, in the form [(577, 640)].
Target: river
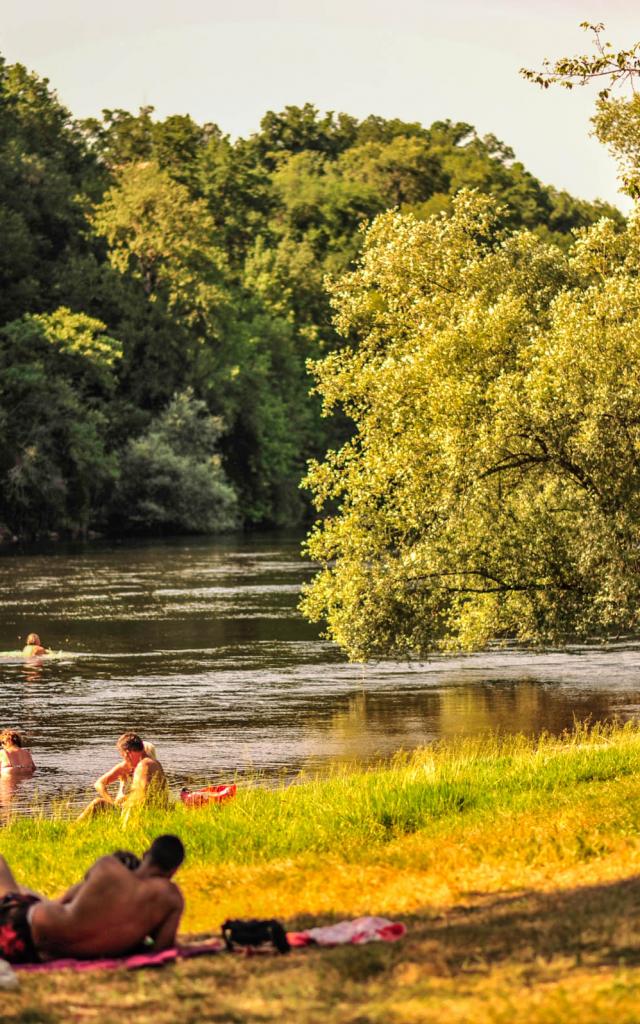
[(197, 645)]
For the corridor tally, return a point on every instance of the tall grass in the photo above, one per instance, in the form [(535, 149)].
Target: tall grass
[(351, 812), (515, 863)]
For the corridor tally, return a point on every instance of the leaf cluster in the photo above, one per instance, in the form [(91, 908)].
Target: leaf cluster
[(617, 67)]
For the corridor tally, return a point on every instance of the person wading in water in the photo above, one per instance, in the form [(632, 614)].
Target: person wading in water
[(33, 648), (15, 759)]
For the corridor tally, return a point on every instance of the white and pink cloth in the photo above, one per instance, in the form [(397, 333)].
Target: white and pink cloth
[(355, 933)]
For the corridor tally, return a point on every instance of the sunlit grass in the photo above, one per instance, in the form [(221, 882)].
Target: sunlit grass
[(513, 861), (438, 804)]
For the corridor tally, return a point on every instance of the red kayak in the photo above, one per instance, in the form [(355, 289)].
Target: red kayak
[(207, 795)]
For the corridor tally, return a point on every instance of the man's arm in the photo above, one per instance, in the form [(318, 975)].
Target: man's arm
[(113, 775), (70, 893), (164, 936)]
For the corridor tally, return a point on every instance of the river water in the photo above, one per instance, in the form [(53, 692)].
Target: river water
[(197, 645)]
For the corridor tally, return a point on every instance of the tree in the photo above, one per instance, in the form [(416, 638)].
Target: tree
[(166, 240), (56, 379), (171, 477), (492, 486), (617, 120), (303, 129), (44, 171)]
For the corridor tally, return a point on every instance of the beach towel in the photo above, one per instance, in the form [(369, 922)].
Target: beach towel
[(127, 963), (356, 932)]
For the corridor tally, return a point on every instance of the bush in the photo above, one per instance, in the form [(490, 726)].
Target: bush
[(171, 477)]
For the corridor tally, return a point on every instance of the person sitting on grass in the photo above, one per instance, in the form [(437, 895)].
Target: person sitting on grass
[(15, 758), (33, 648), (109, 913), (139, 771)]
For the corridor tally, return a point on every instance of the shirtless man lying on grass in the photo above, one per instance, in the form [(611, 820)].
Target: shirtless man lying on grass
[(109, 913)]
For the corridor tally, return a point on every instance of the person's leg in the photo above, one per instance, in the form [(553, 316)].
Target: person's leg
[(97, 806), (7, 881)]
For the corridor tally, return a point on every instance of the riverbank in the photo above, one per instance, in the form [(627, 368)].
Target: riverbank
[(515, 864)]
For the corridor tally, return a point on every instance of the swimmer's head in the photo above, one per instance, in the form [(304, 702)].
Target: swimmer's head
[(150, 750), (11, 738), (33, 640)]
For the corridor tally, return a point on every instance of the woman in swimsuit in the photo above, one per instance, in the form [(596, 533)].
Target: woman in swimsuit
[(33, 648), (15, 759)]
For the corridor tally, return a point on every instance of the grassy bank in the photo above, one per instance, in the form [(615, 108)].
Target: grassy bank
[(515, 864)]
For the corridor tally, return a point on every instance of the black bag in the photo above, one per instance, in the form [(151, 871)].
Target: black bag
[(255, 932)]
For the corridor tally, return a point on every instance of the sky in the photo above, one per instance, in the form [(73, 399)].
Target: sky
[(419, 60)]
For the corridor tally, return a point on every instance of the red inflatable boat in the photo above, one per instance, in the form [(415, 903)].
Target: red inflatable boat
[(207, 795)]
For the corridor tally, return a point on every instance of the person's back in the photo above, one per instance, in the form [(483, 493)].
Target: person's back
[(139, 776), (33, 648), (148, 784), (114, 909), (15, 758)]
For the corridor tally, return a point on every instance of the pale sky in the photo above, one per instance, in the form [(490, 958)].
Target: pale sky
[(414, 59)]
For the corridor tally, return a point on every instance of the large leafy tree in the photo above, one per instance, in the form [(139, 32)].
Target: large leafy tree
[(163, 240), (492, 486), (44, 171), (162, 237)]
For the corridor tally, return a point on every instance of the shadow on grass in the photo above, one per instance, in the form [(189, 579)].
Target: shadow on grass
[(517, 935), (597, 925)]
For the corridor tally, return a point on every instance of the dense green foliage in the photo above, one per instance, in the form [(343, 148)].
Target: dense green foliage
[(491, 489), (153, 265)]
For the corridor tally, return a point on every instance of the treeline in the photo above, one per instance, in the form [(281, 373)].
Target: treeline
[(162, 288)]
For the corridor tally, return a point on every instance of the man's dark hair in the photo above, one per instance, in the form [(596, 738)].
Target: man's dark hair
[(127, 858), (167, 853), (129, 741)]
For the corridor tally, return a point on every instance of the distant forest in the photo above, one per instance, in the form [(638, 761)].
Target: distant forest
[(163, 289)]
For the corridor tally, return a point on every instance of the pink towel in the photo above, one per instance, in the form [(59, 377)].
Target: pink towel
[(127, 963)]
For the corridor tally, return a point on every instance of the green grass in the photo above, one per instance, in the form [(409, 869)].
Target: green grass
[(515, 863), (353, 812)]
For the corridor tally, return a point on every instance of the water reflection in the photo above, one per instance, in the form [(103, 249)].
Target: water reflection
[(199, 647), (33, 670), (10, 786)]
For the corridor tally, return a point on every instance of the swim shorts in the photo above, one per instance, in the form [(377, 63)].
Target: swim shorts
[(16, 942)]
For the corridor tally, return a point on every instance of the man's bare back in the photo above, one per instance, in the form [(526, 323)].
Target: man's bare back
[(148, 781), (111, 914)]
